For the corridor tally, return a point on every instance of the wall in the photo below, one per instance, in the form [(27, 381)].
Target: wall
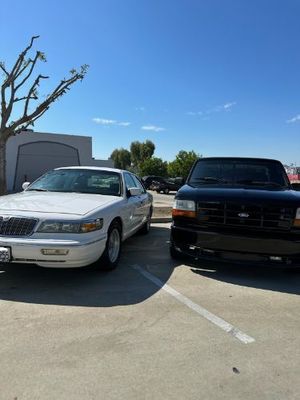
[(31, 154)]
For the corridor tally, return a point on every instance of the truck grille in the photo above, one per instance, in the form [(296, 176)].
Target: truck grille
[(245, 215), (15, 226)]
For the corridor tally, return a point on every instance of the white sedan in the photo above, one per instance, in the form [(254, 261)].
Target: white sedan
[(73, 217)]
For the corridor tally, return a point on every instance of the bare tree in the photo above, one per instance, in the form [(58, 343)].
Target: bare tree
[(16, 80)]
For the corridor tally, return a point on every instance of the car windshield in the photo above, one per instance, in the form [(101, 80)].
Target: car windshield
[(264, 173), (79, 181)]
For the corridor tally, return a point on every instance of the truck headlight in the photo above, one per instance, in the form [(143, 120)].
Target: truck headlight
[(184, 208), (297, 218), (70, 227)]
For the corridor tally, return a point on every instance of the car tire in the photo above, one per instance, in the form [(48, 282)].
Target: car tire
[(145, 229), (158, 191), (111, 255), (166, 191)]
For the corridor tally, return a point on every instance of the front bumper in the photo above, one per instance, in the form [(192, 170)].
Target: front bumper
[(28, 251), (236, 247)]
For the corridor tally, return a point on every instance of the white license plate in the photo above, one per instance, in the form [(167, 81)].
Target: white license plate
[(5, 254)]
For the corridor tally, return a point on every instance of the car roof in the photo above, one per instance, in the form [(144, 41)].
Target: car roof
[(239, 158)]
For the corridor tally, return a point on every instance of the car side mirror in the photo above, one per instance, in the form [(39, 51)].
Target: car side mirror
[(134, 191), (296, 186), (25, 185)]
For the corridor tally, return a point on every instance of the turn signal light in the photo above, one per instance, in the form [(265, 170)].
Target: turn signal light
[(184, 208), (297, 219), (183, 213)]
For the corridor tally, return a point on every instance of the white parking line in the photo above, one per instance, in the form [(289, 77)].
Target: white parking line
[(226, 326)]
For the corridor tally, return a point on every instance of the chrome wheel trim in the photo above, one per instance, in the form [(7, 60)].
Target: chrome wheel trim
[(114, 244)]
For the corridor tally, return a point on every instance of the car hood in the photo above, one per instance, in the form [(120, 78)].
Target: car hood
[(54, 202), (260, 196)]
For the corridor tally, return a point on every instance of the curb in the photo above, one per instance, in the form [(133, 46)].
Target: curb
[(157, 220)]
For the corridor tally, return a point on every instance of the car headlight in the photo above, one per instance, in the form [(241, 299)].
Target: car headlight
[(297, 218), (70, 227), (184, 208)]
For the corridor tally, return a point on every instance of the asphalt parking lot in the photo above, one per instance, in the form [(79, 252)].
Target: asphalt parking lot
[(152, 329)]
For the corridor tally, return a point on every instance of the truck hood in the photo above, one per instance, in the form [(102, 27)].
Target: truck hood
[(286, 197), (54, 203)]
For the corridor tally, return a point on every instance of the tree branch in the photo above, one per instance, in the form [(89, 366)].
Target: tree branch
[(10, 104), (31, 122), (16, 68), (61, 89), (25, 98), (31, 91), (3, 68), (32, 62)]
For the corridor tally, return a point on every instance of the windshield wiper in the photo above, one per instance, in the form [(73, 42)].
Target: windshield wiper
[(259, 183), (38, 190), (210, 179)]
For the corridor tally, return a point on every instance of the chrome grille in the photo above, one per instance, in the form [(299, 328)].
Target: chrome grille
[(245, 215), (16, 226)]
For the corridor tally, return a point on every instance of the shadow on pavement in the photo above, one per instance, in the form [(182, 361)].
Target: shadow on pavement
[(88, 287), (267, 278)]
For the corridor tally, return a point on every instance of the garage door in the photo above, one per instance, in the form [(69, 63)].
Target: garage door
[(34, 159)]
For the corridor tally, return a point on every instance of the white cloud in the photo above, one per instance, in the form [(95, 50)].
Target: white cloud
[(294, 119), (109, 122), (224, 107), (228, 106), (124, 123), (152, 128), (140, 108), (104, 121)]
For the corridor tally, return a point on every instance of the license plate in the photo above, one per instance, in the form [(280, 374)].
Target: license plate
[(5, 254)]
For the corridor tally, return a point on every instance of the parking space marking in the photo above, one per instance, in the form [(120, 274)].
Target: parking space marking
[(221, 323)]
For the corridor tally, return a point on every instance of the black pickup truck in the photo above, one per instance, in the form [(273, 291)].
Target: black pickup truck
[(237, 209)]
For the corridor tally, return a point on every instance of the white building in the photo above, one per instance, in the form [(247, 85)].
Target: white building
[(30, 154)]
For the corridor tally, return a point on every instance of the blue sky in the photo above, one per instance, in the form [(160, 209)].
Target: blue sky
[(217, 77)]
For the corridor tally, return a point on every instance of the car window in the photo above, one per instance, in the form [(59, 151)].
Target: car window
[(138, 183), (129, 182)]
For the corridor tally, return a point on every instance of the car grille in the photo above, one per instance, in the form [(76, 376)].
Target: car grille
[(245, 215), (15, 226)]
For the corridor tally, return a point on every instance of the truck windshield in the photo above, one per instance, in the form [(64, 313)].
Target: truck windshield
[(238, 172)]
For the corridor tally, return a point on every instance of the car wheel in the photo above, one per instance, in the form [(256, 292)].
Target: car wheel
[(146, 227), (166, 191), (158, 191), (110, 258)]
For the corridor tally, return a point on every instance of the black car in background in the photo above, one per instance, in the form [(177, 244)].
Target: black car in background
[(237, 209), (147, 180), (167, 185)]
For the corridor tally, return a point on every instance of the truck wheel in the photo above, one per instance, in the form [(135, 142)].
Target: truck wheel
[(175, 254)]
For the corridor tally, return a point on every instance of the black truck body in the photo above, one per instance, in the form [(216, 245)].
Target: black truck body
[(240, 209)]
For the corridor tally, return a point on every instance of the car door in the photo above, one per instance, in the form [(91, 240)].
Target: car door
[(132, 218), (145, 203)]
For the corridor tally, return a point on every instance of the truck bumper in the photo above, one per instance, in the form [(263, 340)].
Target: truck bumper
[(231, 247)]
